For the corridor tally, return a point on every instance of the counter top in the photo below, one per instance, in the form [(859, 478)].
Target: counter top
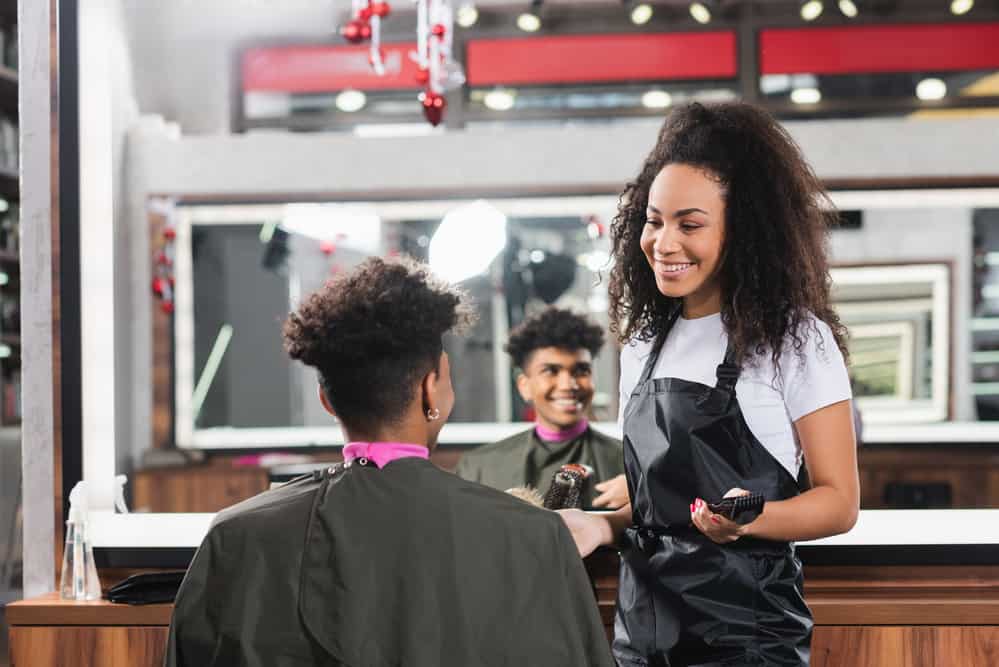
[(49, 609)]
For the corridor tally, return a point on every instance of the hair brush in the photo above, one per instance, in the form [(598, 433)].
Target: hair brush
[(741, 509), (566, 489)]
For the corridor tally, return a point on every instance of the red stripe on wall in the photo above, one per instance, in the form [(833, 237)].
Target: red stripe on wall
[(596, 58), (867, 49), (313, 69)]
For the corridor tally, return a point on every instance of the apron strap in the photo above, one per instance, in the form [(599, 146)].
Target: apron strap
[(728, 370), (657, 348)]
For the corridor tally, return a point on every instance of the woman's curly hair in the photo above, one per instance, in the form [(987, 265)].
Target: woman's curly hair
[(553, 327), (774, 273), (373, 333)]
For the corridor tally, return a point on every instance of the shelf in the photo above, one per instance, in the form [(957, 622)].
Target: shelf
[(12, 340), (9, 257)]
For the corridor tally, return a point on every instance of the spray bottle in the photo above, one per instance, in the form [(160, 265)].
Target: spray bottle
[(79, 579)]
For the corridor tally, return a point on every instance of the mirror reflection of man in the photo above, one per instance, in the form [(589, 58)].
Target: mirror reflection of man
[(553, 352)]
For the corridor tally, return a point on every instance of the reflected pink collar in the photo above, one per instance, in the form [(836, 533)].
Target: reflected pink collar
[(560, 436), (383, 452)]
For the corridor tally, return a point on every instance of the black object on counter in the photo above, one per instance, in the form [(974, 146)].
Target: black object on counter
[(146, 588)]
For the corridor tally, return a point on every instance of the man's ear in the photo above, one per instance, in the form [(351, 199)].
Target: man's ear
[(325, 401), (428, 391), (524, 387)]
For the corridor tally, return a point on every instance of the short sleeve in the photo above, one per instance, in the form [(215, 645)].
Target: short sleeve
[(818, 377), (633, 355)]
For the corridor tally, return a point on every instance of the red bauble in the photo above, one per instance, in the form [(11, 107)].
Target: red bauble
[(379, 8), (353, 31), (438, 30), (422, 75), (167, 307), (365, 32), (434, 105), (170, 233), (365, 14), (163, 259), (327, 247), (158, 286)]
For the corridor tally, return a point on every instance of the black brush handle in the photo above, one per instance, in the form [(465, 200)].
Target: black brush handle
[(741, 509)]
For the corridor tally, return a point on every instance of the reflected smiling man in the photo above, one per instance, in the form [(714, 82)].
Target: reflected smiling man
[(553, 352)]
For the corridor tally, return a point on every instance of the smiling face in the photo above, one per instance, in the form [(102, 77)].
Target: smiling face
[(684, 236), (559, 383)]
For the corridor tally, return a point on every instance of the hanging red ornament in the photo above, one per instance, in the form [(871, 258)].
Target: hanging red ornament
[(158, 286), (379, 8), (167, 307), (353, 31), (163, 259), (365, 14), (422, 76), (327, 247), (434, 105), (169, 233), (438, 30), (365, 31)]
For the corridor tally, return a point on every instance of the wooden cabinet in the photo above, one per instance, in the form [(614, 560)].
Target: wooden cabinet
[(49, 632)]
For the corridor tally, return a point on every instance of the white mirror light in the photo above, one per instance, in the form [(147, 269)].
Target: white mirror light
[(806, 96), (467, 241), (500, 99), (656, 99), (931, 89), (641, 14), (350, 101), (700, 12)]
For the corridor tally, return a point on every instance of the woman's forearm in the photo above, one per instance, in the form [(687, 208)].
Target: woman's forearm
[(819, 512)]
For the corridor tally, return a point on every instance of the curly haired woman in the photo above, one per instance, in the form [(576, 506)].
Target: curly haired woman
[(385, 559), (732, 377)]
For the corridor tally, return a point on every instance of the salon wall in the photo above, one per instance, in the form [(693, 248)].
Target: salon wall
[(919, 235), (571, 158)]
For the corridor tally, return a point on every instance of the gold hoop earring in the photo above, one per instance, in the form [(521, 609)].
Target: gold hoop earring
[(433, 415)]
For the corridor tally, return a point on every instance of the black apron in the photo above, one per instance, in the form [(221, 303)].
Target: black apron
[(683, 599)]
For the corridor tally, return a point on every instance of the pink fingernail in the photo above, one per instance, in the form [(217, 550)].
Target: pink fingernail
[(714, 519), (691, 507)]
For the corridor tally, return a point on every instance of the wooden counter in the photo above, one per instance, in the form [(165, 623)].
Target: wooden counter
[(877, 616), (49, 632)]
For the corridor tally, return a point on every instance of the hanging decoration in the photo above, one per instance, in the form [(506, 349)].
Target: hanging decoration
[(437, 71), (365, 26), (163, 279)]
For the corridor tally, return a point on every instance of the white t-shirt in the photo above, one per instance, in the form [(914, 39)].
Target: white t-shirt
[(694, 349)]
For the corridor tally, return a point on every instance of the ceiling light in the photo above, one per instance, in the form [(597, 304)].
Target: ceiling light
[(499, 99), (931, 89), (811, 10), (656, 99), (467, 15), (350, 101), (806, 96), (700, 12), (641, 13), (530, 21), (959, 7), (848, 8)]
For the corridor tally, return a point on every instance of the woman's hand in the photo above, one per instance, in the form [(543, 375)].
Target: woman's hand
[(613, 493), (717, 528), (588, 531)]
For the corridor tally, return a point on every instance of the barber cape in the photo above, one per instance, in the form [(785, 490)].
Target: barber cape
[(526, 459), (405, 565)]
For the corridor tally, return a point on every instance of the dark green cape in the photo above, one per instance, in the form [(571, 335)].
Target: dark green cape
[(524, 459), (402, 566)]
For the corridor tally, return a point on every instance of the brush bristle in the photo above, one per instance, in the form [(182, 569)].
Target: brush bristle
[(527, 494)]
